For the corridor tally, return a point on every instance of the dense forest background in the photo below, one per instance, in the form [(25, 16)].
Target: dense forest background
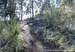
[(37, 25)]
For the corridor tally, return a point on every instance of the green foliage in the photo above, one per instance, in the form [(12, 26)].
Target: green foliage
[(68, 2), (53, 17), (9, 36), (56, 21)]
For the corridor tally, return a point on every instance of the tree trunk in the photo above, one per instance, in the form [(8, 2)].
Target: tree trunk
[(32, 8), (21, 10)]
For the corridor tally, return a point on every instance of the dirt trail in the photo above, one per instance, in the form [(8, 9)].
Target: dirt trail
[(31, 42)]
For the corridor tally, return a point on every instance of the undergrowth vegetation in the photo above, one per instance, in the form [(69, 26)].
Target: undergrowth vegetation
[(58, 28), (9, 37)]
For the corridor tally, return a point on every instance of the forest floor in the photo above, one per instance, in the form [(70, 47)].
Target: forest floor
[(30, 40), (31, 31)]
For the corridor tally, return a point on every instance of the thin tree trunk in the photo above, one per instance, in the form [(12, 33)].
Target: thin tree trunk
[(21, 10), (12, 9), (32, 9)]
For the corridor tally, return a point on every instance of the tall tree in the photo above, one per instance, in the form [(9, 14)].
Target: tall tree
[(32, 8), (11, 9), (45, 6), (21, 5), (3, 5)]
